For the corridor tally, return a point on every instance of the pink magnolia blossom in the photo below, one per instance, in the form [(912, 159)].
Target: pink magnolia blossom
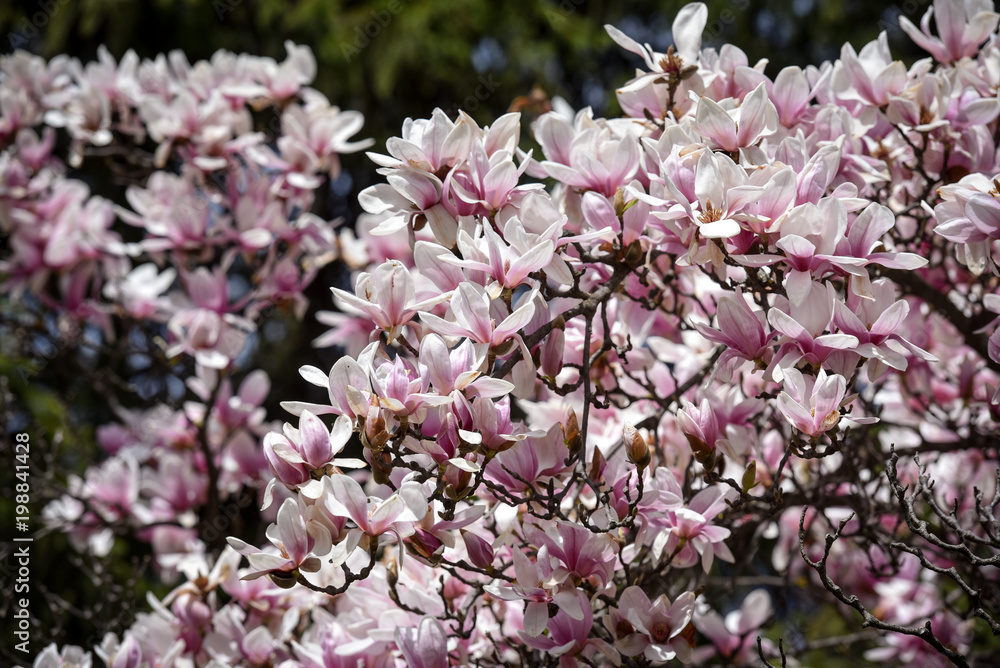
[(387, 296), (699, 424), (732, 127), (569, 636), (508, 261), (811, 404), (651, 628), (460, 368), (802, 329), (741, 330), (410, 193), (403, 390), (128, 654), (973, 232), (775, 218), (532, 459), (691, 534), (210, 338), (373, 517), (425, 646), (489, 181), (432, 535), (480, 551), (175, 485), (298, 550), (600, 213), (532, 585), (734, 636), (863, 237), (578, 552), (492, 421), (430, 144), (601, 158), (722, 191), (871, 76), (171, 212), (311, 447), (962, 28), (790, 92), (992, 304), (314, 134), (139, 292), (876, 323), (810, 235), (687, 29), (69, 656), (348, 386), (471, 308), (970, 215)]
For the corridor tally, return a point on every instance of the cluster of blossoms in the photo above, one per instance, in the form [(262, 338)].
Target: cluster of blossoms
[(581, 375), (216, 235)]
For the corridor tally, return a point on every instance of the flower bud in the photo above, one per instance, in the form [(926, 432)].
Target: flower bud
[(597, 465), (552, 352), (633, 254), (374, 435), (619, 203), (381, 467), (392, 573), (424, 544), (701, 428), (457, 482), (457, 493), (636, 448), (750, 477), (571, 434), (702, 453), (480, 552)]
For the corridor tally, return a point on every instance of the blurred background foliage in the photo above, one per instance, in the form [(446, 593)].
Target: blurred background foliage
[(389, 59)]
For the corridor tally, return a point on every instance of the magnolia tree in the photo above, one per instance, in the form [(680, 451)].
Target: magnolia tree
[(619, 393)]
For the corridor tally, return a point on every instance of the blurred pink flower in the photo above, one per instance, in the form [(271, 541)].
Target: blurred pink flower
[(962, 25)]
